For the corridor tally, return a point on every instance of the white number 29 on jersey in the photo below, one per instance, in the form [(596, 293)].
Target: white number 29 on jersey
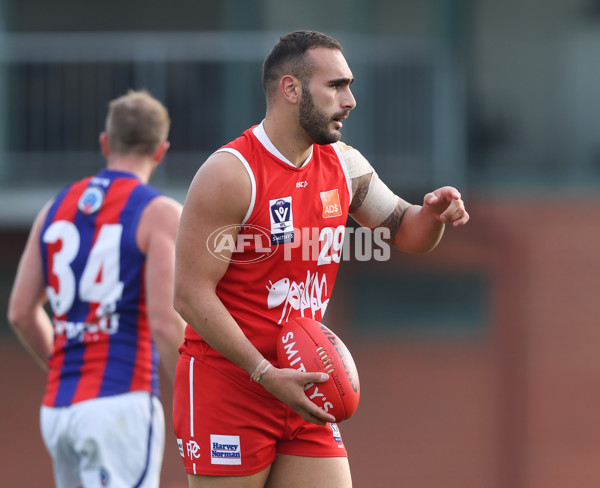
[(103, 261)]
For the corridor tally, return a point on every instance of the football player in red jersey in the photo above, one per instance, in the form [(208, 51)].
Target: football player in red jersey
[(102, 255), (241, 420)]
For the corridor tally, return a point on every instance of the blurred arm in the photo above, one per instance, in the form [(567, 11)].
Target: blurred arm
[(156, 235), (26, 313)]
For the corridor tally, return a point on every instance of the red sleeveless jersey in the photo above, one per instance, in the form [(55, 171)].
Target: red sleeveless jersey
[(290, 243)]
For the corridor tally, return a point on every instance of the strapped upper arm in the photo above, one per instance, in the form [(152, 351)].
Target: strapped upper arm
[(372, 201)]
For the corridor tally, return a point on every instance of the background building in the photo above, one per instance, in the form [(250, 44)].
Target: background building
[(478, 362)]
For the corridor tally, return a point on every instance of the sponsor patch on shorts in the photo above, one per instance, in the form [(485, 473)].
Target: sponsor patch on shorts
[(225, 449), (337, 437)]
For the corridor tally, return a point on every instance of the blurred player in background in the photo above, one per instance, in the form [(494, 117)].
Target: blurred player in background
[(102, 255), (287, 174)]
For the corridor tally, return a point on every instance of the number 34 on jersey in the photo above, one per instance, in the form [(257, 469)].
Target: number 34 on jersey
[(98, 282)]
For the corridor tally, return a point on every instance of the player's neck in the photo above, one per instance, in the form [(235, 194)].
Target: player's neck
[(290, 140), (139, 166)]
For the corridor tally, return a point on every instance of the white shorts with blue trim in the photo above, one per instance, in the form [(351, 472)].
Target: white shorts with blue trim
[(115, 441)]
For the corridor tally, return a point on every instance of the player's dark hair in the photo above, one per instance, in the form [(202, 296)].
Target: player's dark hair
[(288, 56), (136, 123)]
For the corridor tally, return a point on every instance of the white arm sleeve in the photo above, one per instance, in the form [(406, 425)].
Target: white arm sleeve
[(380, 201), (356, 163)]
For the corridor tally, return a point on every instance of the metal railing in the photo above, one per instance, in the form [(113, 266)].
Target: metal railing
[(54, 90)]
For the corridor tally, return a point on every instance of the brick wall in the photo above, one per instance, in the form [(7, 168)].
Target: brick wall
[(513, 406)]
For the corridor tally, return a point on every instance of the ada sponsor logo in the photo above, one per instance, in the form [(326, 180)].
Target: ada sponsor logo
[(225, 449), (331, 204), (282, 220), (180, 446), (241, 244), (91, 200)]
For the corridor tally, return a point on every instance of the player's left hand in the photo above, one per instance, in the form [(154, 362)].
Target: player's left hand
[(447, 206)]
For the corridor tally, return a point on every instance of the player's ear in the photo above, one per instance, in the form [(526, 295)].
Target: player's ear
[(161, 150), (291, 87), (104, 144)]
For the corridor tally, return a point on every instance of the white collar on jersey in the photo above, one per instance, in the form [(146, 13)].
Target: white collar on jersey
[(261, 135)]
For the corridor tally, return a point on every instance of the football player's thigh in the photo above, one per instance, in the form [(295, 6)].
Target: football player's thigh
[(252, 481), (317, 472)]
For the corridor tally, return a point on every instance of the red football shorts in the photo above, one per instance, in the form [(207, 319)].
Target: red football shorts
[(227, 425)]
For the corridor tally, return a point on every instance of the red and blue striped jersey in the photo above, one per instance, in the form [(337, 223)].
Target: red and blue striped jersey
[(94, 274)]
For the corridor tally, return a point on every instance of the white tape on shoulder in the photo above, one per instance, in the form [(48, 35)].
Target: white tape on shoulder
[(380, 201), (356, 163)]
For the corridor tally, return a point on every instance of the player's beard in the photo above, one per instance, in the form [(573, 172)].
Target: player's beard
[(314, 121)]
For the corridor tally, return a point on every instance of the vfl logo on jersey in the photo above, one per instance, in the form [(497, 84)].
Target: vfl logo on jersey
[(282, 222), (91, 200), (331, 204)]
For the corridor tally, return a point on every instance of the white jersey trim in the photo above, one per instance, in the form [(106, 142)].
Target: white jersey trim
[(346, 172), (242, 159), (260, 133)]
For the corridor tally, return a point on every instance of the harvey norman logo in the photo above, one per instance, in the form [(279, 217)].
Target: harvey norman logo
[(225, 449)]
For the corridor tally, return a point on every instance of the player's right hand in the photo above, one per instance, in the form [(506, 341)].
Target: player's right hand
[(289, 385)]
